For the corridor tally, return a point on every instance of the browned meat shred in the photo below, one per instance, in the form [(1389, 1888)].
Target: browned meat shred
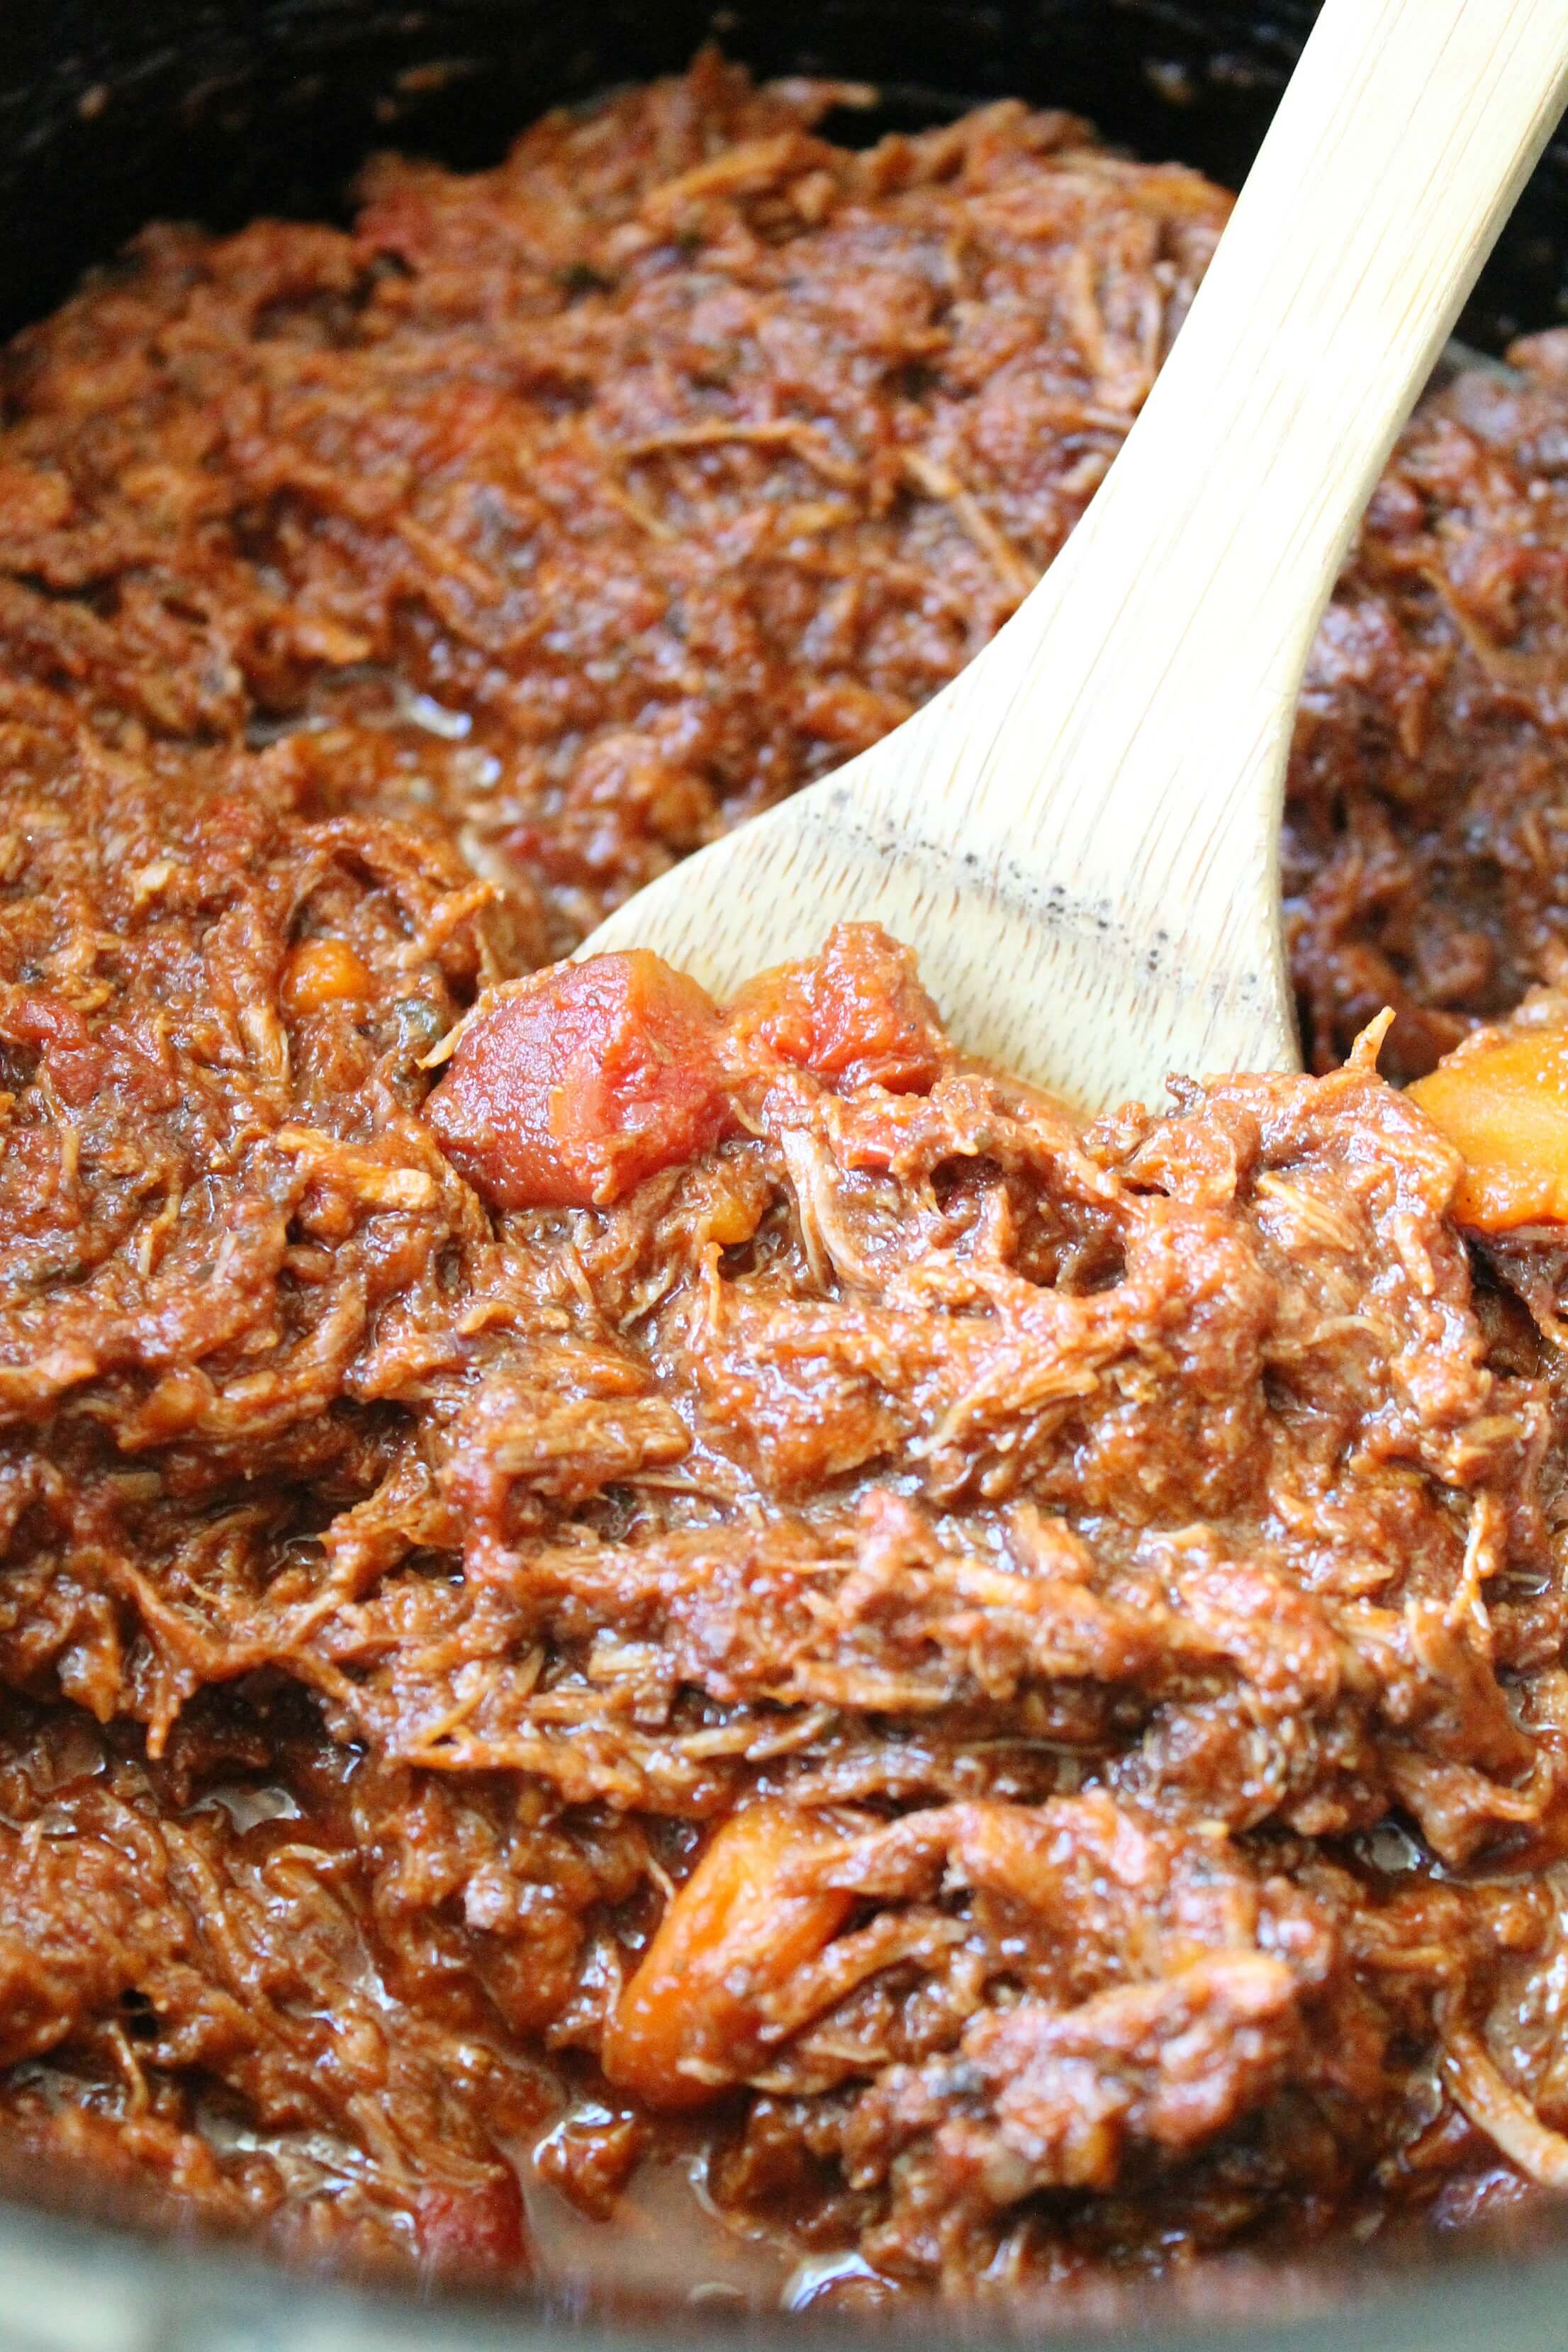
[(1425, 861), (721, 1578)]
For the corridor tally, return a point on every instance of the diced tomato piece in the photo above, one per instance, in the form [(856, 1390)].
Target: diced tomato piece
[(475, 2230), (684, 2029), (857, 1014), (77, 1066), (82, 1063), (568, 1090), (1501, 1099)]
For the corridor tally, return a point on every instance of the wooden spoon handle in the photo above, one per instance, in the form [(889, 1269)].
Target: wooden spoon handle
[(1160, 659)]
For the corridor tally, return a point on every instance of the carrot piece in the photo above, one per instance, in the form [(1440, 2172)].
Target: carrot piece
[(1501, 1099), (570, 1089), (685, 2028), (319, 972)]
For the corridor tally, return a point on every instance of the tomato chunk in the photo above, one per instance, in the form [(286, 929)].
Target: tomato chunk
[(1501, 1099), (473, 2231), (569, 1090), (685, 2028), (83, 1062), (857, 1014)]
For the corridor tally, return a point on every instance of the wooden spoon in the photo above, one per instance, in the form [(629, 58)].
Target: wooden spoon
[(1080, 836)]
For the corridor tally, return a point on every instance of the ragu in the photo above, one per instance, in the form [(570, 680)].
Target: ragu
[(438, 1661)]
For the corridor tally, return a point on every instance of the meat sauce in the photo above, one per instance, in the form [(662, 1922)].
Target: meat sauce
[(599, 1585)]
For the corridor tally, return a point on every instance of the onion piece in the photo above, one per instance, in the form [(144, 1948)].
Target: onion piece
[(1495, 2107)]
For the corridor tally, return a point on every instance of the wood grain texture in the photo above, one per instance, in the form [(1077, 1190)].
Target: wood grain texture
[(1080, 834)]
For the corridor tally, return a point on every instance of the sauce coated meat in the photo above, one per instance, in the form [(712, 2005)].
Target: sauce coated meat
[(592, 1579)]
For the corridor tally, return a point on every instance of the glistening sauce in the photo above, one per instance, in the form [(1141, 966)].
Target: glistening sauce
[(603, 1592)]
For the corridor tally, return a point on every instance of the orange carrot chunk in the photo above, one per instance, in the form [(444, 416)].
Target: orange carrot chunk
[(569, 1090), (1501, 1099), (685, 2027), (320, 972)]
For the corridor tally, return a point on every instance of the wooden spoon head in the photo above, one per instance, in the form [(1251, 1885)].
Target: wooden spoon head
[(1098, 992)]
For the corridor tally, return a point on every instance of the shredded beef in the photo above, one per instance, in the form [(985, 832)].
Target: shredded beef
[(590, 1575)]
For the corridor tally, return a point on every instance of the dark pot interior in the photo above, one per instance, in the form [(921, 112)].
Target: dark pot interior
[(115, 111)]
